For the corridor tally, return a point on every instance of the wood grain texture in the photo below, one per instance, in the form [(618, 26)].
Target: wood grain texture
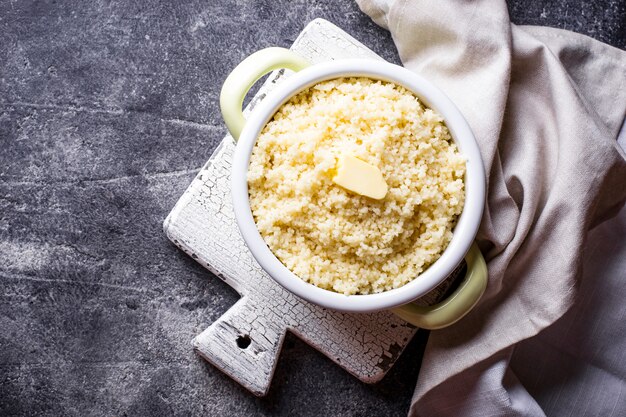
[(202, 224)]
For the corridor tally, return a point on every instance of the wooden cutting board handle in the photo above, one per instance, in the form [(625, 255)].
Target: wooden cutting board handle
[(239, 344)]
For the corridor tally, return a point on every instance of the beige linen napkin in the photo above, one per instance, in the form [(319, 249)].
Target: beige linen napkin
[(546, 106)]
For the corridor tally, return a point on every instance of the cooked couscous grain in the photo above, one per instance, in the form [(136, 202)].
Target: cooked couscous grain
[(338, 240)]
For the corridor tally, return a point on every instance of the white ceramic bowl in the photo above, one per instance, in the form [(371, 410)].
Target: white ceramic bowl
[(464, 232)]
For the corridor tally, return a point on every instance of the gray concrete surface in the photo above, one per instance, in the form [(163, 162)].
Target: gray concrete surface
[(107, 109)]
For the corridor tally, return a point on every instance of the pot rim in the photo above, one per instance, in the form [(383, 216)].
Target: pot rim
[(464, 231)]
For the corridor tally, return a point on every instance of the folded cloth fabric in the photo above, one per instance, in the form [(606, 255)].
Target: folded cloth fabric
[(546, 106)]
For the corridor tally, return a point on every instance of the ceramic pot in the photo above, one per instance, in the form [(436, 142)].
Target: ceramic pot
[(399, 300)]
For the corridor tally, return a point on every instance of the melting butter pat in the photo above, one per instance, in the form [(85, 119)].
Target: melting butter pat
[(360, 177)]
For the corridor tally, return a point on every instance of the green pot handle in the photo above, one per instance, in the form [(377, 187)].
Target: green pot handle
[(243, 77), (457, 305)]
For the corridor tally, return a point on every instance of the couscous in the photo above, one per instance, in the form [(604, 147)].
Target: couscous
[(339, 240)]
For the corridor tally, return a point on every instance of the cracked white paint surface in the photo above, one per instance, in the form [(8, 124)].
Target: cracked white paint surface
[(203, 225)]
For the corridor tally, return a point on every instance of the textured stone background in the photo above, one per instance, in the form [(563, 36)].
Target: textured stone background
[(107, 109)]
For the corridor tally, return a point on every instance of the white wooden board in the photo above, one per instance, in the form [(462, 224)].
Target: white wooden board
[(245, 342)]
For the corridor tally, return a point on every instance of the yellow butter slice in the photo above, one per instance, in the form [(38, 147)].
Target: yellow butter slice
[(360, 177)]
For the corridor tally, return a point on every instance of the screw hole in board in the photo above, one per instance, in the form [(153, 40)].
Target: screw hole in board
[(243, 341)]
